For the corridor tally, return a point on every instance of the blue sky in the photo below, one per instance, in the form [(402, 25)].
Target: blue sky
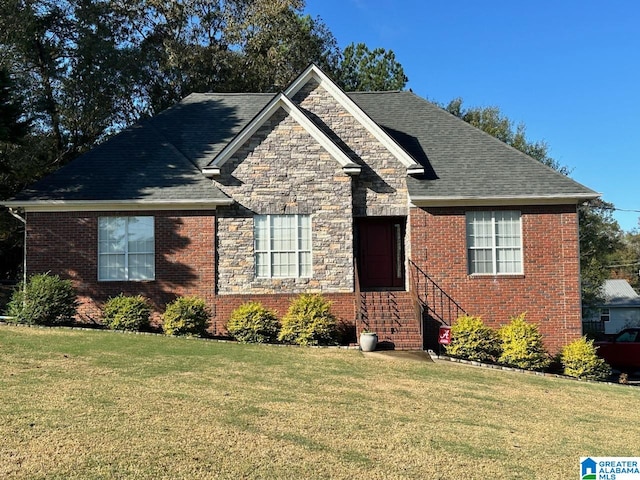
[(569, 70)]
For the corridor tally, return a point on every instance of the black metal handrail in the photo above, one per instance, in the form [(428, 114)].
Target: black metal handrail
[(434, 300)]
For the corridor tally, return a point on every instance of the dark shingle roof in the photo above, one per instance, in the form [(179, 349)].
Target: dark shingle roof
[(160, 159), (461, 160)]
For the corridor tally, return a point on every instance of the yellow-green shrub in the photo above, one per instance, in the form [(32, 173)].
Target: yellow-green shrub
[(126, 312), (309, 322), (580, 360), (471, 339), (253, 323), (186, 316), (522, 345)]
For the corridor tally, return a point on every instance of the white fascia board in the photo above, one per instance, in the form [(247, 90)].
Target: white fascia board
[(119, 205), (360, 115), (425, 201), (279, 101)]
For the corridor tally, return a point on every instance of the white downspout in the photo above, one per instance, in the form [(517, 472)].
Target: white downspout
[(17, 215)]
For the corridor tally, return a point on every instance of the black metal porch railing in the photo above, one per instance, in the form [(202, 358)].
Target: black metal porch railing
[(435, 302)]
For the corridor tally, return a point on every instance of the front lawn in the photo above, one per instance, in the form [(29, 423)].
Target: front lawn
[(102, 405)]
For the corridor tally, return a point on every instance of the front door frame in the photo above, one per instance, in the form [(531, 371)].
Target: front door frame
[(385, 268)]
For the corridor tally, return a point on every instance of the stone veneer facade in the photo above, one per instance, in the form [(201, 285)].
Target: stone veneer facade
[(282, 169)]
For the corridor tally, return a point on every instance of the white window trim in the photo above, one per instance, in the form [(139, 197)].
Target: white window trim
[(494, 248), (126, 252), (269, 251)]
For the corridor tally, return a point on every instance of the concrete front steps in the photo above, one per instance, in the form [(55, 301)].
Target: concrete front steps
[(392, 315)]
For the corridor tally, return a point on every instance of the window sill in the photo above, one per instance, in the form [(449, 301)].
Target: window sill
[(146, 280), (496, 276)]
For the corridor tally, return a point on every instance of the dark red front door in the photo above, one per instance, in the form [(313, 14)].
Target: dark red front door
[(381, 254)]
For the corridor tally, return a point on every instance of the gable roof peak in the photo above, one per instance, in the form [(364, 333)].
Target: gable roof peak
[(280, 101), (313, 72)]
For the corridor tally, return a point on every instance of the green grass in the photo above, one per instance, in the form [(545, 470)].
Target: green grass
[(102, 405)]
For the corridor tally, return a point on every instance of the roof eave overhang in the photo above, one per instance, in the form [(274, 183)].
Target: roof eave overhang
[(473, 201), (115, 205)]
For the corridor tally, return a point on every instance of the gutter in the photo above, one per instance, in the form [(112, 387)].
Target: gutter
[(452, 201)]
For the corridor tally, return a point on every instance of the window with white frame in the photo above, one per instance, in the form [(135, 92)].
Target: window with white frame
[(126, 248), (605, 315), (494, 242), (282, 246)]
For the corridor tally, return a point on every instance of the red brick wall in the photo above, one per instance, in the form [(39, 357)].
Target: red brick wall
[(66, 243), (548, 290)]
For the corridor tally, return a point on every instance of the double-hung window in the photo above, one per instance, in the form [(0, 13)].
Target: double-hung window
[(494, 242), (282, 246), (126, 248)]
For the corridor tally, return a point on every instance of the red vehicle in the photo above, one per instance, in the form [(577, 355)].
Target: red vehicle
[(623, 351)]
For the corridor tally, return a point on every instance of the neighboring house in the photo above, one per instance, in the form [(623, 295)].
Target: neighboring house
[(621, 308), (401, 214)]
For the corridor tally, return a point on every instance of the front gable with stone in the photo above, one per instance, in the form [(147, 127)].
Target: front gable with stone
[(399, 213)]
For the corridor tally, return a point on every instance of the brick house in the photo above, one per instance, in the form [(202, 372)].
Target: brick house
[(401, 214)]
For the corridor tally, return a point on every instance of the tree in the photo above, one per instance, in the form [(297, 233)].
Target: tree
[(361, 69), (624, 262), (600, 237), (13, 128)]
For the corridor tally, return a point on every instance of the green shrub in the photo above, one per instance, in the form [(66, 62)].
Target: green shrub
[(309, 322), (126, 313), (44, 300), (522, 345), (471, 339), (186, 316), (253, 323), (580, 360)]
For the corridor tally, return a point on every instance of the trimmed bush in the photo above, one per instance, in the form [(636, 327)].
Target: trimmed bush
[(471, 339), (309, 322), (44, 300), (580, 360), (186, 316), (253, 323), (126, 313), (522, 345)]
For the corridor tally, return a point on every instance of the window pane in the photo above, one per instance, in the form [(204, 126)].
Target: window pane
[(261, 229), (304, 233), (140, 230), (508, 260), (480, 261), (111, 235), (111, 267), (479, 229), (141, 267), (305, 264), (508, 229), (283, 233), (262, 264)]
